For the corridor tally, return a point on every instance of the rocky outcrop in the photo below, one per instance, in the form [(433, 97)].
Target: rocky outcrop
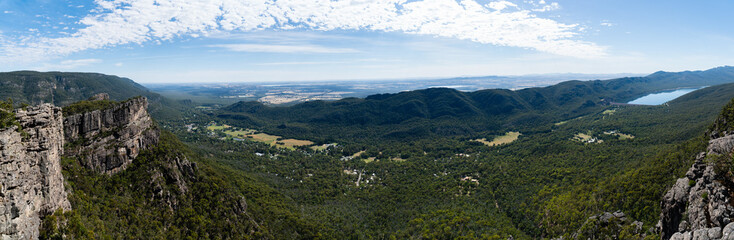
[(31, 183), (609, 225), (176, 171), (699, 205), (107, 140), (99, 97)]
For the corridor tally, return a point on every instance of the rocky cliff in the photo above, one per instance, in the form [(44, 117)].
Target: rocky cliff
[(107, 140), (608, 225), (31, 183), (699, 206)]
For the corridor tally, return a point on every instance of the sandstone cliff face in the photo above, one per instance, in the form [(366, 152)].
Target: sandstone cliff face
[(699, 205), (108, 140), (31, 183)]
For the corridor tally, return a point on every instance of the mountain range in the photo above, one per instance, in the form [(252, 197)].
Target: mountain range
[(110, 159), (446, 110)]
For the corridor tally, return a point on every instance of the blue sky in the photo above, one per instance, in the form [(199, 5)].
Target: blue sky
[(155, 41)]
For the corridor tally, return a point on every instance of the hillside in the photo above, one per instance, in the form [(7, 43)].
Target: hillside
[(170, 192), (445, 111), (410, 165), (695, 206), (698, 205), (103, 169), (544, 184), (64, 88)]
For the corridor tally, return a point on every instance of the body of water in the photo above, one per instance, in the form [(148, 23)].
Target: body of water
[(662, 97)]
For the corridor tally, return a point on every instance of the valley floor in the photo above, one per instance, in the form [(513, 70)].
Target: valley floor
[(544, 182)]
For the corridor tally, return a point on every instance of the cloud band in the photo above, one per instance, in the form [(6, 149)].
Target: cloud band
[(118, 22)]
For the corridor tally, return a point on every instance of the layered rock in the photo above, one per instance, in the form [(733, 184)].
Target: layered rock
[(107, 140), (699, 206), (31, 182)]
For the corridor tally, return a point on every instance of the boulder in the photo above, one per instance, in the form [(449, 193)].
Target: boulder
[(698, 205)]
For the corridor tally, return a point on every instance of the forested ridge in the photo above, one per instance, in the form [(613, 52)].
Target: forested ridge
[(545, 184), (146, 201), (442, 111), (65, 88), (407, 165)]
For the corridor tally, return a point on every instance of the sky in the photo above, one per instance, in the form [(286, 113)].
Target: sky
[(174, 41)]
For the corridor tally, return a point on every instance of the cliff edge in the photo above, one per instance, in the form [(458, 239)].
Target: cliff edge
[(31, 182), (108, 139), (699, 206), (105, 136)]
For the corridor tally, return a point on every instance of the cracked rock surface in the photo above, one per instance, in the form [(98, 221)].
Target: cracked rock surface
[(31, 182), (699, 205), (108, 140)]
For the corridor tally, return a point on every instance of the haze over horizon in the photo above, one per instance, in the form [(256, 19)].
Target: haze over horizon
[(263, 41)]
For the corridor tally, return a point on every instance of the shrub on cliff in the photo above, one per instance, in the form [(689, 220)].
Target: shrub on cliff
[(7, 116), (87, 106)]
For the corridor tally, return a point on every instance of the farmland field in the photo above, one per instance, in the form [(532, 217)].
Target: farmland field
[(254, 135), (507, 138)]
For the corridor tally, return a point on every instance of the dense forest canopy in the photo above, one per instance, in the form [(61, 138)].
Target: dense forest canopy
[(435, 163)]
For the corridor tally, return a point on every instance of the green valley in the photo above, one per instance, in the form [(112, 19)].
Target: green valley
[(366, 119), (543, 184), (435, 163)]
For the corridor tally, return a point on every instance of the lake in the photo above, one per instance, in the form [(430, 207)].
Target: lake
[(662, 97)]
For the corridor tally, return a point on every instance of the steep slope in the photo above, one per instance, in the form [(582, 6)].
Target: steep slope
[(61, 88), (31, 183), (64, 88), (671, 135), (169, 192), (119, 177), (109, 138), (699, 205), (129, 180)]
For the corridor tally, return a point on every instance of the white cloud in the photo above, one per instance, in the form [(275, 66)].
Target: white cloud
[(119, 22), (499, 5), (118, 64), (7, 12), (282, 48), (547, 7), (607, 24), (69, 64)]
